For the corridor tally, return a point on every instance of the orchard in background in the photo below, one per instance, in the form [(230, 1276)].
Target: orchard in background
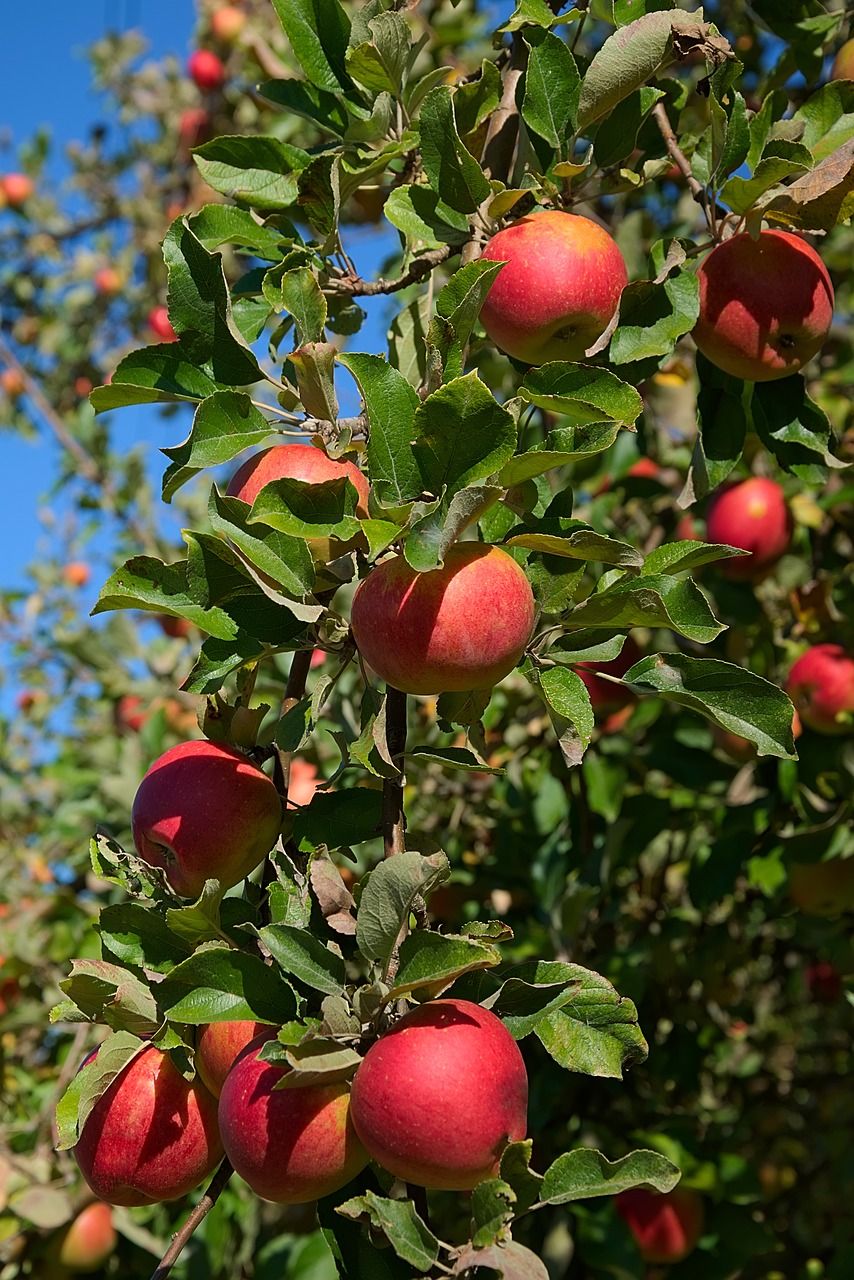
[(488, 920)]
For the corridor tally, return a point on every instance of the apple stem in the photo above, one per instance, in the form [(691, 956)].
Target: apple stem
[(394, 821)]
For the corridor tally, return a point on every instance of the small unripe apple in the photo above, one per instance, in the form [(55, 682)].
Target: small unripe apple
[(17, 188), (605, 696), (291, 1145), (766, 305), (752, 515), (312, 466), (204, 811), (152, 1136), (461, 627), (12, 383), (227, 23), (821, 685), (194, 128), (89, 1241), (439, 1096), (77, 573), (219, 1046), (559, 288), (824, 982), (667, 1227), (843, 63), (206, 69), (822, 888), (160, 325), (131, 712), (107, 281)]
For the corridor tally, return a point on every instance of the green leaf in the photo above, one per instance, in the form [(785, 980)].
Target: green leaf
[(387, 897), (153, 375), (515, 1169), (255, 170), (312, 1062), (568, 702), (302, 298), (425, 218), (582, 393), (596, 1032), (319, 32), (828, 116), (682, 557), (492, 1207), (90, 1083), (651, 600), (408, 1235), (340, 818), (390, 405), (722, 429), (576, 442), (476, 100), (380, 63), (430, 536), (304, 957), (224, 425), (324, 110), (819, 200), (654, 316), (629, 58), (585, 1174), (451, 758), (139, 937), (314, 363), (108, 993), (200, 920), (218, 984), (741, 194), (430, 959), (552, 87), (306, 510), (147, 584), (280, 560), (791, 425), (457, 309), (453, 173), (463, 436), (581, 544), (200, 309), (617, 134), (729, 696), (521, 1005)]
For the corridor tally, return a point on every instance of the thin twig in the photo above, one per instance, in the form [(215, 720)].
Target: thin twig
[(201, 1211), (357, 287), (683, 164)]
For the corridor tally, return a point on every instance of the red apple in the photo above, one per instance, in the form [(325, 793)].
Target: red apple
[(12, 383), (77, 573), (89, 1241), (291, 1145), (83, 386), (824, 982), (439, 1096), (220, 1044), (194, 128), (686, 529), (160, 325), (559, 288), (605, 696), (227, 23), (177, 628), (821, 685), (151, 1136), (206, 69), (303, 779), (843, 63), (752, 515), (204, 811), (766, 305), (312, 466), (666, 1228), (131, 712), (17, 188), (822, 888), (464, 626), (107, 281)]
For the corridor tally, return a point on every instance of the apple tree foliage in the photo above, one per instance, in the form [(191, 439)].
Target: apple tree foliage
[(615, 886)]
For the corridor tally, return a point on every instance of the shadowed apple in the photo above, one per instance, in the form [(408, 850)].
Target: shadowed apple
[(821, 685), (823, 889), (766, 305), (461, 627), (666, 1228), (558, 290), (160, 325), (752, 515), (440, 1095), (152, 1136), (290, 1145), (86, 1244), (204, 811), (220, 1044)]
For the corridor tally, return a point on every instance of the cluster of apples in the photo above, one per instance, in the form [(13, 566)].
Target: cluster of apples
[(154, 1136)]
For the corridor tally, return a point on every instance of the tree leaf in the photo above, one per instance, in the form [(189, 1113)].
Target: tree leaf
[(90, 1082), (258, 171), (224, 424), (552, 87), (390, 405), (139, 937), (585, 1174), (409, 1236), (729, 696), (424, 218), (319, 32), (617, 134), (682, 557), (582, 393), (219, 984), (298, 953), (306, 510), (453, 172), (279, 558), (153, 375), (569, 707), (430, 959), (651, 600), (463, 436), (387, 897)]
